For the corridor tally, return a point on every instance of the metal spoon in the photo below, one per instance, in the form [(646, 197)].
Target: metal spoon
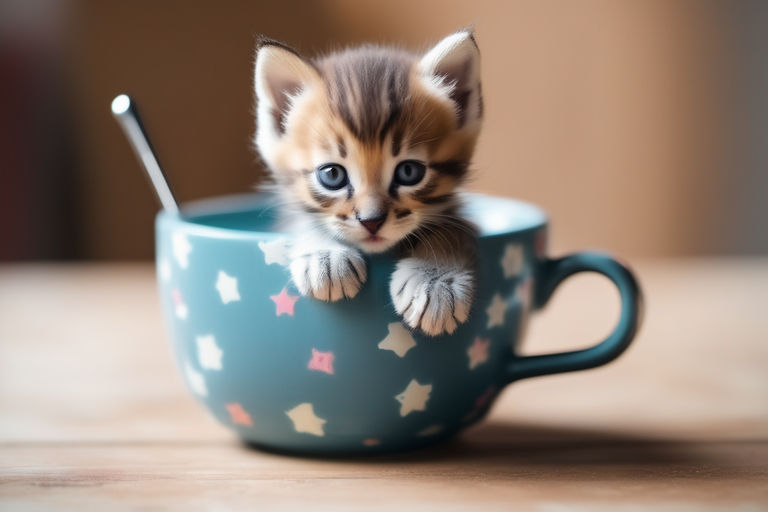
[(125, 112)]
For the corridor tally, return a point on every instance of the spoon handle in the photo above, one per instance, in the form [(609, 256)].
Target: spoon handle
[(125, 112)]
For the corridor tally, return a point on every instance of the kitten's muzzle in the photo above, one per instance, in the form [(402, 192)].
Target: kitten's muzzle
[(373, 224)]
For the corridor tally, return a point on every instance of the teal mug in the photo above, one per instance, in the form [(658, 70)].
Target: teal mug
[(295, 374)]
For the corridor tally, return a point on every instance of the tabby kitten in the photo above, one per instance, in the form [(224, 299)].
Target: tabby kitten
[(366, 148)]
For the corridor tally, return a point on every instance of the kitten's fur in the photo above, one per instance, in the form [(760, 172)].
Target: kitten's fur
[(368, 109)]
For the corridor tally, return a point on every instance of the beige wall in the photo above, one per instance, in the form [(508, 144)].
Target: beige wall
[(611, 115)]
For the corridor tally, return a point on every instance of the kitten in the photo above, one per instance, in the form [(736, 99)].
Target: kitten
[(366, 148)]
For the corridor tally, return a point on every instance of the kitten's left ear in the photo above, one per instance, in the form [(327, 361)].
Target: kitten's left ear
[(456, 61)]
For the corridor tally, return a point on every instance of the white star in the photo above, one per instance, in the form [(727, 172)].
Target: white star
[(164, 270), (496, 311), (181, 249), (305, 420), (181, 311), (275, 251), (208, 353), (399, 340), (227, 287), (414, 398), (196, 381), (512, 260)]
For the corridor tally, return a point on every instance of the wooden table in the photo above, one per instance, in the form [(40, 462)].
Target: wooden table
[(93, 415)]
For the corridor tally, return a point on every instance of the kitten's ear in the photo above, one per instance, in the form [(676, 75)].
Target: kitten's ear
[(456, 61), (280, 74)]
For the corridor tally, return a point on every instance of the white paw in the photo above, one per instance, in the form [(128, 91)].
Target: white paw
[(329, 274), (433, 299)]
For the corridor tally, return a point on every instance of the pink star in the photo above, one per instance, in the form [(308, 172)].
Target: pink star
[(483, 399), (178, 304), (480, 403), (239, 415), (478, 352), (284, 302), (321, 361)]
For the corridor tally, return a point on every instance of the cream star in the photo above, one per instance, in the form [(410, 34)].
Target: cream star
[(208, 352), (414, 398), (512, 260), (496, 311), (399, 340), (305, 420), (195, 380), (227, 287), (431, 430), (181, 249), (478, 352), (275, 251)]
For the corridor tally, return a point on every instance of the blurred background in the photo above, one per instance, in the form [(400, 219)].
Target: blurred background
[(641, 126)]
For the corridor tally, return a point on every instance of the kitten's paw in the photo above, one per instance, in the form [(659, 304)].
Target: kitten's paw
[(329, 274), (435, 300)]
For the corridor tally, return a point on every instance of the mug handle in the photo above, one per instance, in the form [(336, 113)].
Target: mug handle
[(554, 271)]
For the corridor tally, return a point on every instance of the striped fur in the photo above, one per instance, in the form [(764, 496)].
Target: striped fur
[(367, 109)]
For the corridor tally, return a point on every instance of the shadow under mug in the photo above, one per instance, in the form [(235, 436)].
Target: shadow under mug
[(296, 374)]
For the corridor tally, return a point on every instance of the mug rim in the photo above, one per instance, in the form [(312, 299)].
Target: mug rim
[(191, 212)]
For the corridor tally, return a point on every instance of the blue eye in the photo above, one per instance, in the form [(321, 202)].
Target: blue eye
[(332, 176), (409, 172)]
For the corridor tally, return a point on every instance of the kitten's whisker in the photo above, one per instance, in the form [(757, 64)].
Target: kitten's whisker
[(441, 235)]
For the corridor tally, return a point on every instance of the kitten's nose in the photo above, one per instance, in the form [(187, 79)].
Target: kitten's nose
[(372, 224)]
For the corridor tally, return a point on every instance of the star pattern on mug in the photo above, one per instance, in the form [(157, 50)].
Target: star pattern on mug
[(399, 340), (164, 270), (524, 293), (305, 420), (430, 431), (496, 311), (208, 352), (195, 380), (478, 352), (226, 285), (181, 249), (321, 361), (275, 251), (179, 307), (284, 302), (239, 415), (512, 260), (414, 397)]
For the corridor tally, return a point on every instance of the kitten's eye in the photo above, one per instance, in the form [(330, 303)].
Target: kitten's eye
[(409, 172), (332, 176)]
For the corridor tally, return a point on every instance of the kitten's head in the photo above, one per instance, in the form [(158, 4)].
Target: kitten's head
[(369, 143)]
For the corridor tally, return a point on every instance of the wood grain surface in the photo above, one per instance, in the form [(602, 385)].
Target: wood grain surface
[(94, 416)]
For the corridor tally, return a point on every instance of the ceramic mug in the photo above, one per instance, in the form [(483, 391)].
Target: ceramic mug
[(296, 374)]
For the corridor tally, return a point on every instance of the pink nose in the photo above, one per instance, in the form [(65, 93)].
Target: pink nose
[(373, 224)]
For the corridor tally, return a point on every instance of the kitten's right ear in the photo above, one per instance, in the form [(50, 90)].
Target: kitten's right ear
[(456, 61), (281, 73)]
